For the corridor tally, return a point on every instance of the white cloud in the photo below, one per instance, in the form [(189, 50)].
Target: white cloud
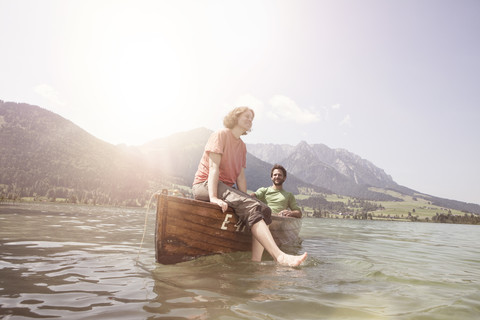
[(285, 109), (347, 121), (49, 93), (329, 110)]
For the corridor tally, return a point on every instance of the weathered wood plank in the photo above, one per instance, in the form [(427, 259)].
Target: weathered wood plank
[(186, 229)]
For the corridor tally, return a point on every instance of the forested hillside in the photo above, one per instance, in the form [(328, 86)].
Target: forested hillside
[(43, 154)]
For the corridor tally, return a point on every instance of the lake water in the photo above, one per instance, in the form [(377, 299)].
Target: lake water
[(80, 262)]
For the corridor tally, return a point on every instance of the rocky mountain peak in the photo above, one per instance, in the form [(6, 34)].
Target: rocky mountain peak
[(334, 169)]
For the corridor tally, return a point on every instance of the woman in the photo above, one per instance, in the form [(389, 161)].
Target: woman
[(222, 166)]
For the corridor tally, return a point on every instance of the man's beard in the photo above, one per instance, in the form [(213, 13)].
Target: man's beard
[(278, 183)]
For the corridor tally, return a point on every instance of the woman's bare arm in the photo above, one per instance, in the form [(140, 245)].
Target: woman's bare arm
[(242, 181), (213, 177)]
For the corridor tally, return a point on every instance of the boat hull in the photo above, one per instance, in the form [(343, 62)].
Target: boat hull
[(187, 229)]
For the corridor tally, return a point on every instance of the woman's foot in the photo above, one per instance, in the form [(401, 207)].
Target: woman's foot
[(291, 261)]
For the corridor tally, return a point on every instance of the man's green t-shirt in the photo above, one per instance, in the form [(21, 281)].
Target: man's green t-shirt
[(277, 200)]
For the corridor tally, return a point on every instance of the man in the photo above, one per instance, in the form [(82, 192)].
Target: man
[(281, 202)]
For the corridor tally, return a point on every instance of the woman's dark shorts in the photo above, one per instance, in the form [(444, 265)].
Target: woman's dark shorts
[(249, 209)]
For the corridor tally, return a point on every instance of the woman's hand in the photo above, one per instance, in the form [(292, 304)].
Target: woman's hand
[(222, 204)]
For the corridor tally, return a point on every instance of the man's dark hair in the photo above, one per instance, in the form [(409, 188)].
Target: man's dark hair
[(279, 167)]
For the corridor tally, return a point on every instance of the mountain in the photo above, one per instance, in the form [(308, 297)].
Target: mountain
[(335, 169), (176, 156), (44, 155), (41, 152), (343, 172), (184, 150), (338, 163)]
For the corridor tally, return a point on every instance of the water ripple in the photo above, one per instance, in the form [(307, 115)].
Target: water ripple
[(80, 262)]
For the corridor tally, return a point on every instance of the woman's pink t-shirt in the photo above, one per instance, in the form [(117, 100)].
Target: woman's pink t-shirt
[(234, 157)]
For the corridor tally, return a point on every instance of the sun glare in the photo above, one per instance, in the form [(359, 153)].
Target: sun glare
[(147, 64), (134, 71)]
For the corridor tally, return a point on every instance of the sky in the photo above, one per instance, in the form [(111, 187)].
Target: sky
[(396, 82)]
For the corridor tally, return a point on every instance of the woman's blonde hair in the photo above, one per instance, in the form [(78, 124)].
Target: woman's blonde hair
[(231, 118)]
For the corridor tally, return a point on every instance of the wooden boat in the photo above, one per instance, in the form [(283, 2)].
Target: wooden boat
[(187, 229)]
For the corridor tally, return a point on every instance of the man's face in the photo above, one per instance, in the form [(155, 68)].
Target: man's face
[(277, 177)]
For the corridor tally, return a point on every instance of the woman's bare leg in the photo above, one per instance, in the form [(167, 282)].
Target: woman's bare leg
[(257, 250), (263, 235)]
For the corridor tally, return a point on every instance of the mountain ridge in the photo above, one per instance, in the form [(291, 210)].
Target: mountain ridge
[(335, 169), (43, 154)]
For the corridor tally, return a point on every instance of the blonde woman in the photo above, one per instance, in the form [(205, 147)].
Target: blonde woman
[(221, 167)]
